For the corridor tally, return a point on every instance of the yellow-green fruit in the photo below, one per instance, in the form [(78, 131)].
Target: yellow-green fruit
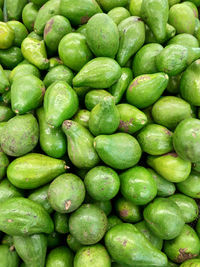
[(6, 36)]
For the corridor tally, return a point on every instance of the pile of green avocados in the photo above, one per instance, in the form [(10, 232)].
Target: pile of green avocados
[(99, 133)]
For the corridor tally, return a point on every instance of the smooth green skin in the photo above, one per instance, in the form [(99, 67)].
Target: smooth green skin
[(45, 13), (138, 186), (29, 15), (55, 29), (94, 97), (160, 10), (20, 32), (82, 117), (54, 240), (144, 61), (185, 246), (176, 14), (163, 115), (135, 7), (52, 140), (31, 249), (61, 223), (145, 89), (58, 73), (106, 206), (88, 224), (184, 39), (80, 145), (155, 241), (164, 187), (34, 51), (112, 149), (73, 244), (187, 205), (104, 117), (26, 93), (127, 211), (118, 14), (7, 35), (190, 187), (8, 257), (7, 190), (159, 213), (20, 135), (155, 139), (107, 5), (35, 36), (132, 37), (79, 11), (66, 193), (23, 70), (191, 263), (101, 72), (74, 51), (13, 9), (186, 138), (11, 57), (40, 196), (127, 245), (6, 113), (118, 89), (60, 256), (21, 216), (112, 221), (4, 81), (102, 36), (174, 84), (82, 29), (197, 29), (34, 170), (150, 37), (170, 166), (90, 256), (189, 88), (54, 61), (102, 183), (60, 103), (173, 2)]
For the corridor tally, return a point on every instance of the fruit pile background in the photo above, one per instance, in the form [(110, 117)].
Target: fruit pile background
[(99, 133)]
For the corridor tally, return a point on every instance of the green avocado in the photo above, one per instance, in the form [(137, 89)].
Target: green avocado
[(4, 162), (61, 223), (150, 37), (174, 84), (184, 39), (82, 117), (4, 81), (138, 186), (102, 36), (13, 9), (34, 170), (191, 263), (7, 35), (135, 7), (29, 14), (108, 147), (73, 244), (159, 213), (7, 190), (11, 57), (145, 89), (6, 112), (60, 256), (54, 61), (129, 247), (80, 145), (90, 256), (118, 14), (112, 221), (20, 32), (88, 224), (170, 166), (8, 257), (106, 206), (132, 37), (82, 29), (190, 187), (23, 70), (31, 249), (21, 216), (94, 97), (20, 135), (107, 5)]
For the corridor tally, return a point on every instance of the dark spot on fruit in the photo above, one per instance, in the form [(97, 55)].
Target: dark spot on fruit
[(173, 154), (9, 220), (167, 132), (84, 19), (43, 91), (125, 125), (12, 248), (183, 255), (123, 213), (48, 27), (67, 124), (124, 243)]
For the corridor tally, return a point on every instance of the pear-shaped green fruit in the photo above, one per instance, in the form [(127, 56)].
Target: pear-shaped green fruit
[(190, 187), (80, 145), (26, 93), (52, 140), (132, 37), (8, 257), (102, 36), (159, 213), (170, 166), (20, 135), (20, 32), (7, 190), (104, 117), (100, 72), (13, 9), (94, 97), (118, 14), (150, 37), (7, 36), (159, 9), (34, 51), (23, 70), (4, 82), (31, 249), (23, 172), (4, 162), (145, 89), (60, 103), (79, 11), (108, 147), (135, 7), (184, 39), (10, 58), (61, 223), (63, 255), (127, 245), (29, 15), (6, 112)]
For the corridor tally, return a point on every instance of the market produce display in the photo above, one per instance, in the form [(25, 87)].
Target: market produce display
[(99, 133)]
